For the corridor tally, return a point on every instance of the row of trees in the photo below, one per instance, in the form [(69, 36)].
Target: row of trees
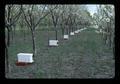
[(12, 14), (66, 17), (105, 19)]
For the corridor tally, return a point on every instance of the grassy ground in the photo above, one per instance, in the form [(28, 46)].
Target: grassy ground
[(82, 56)]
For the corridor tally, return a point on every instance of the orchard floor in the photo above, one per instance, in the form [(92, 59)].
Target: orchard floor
[(82, 56)]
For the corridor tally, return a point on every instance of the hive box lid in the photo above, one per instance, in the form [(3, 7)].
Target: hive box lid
[(53, 41), (25, 53)]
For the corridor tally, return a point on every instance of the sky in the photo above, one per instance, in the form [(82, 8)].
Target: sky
[(92, 9)]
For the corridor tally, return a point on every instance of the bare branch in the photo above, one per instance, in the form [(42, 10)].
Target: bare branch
[(42, 18), (25, 17)]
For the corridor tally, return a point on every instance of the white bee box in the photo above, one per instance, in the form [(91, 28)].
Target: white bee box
[(65, 36), (25, 57), (76, 31), (53, 42), (72, 33), (81, 29)]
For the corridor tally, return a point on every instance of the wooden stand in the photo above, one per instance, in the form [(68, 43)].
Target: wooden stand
[(22, 63)]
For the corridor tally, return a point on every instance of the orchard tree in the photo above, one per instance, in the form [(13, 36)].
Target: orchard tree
[(22, 25), (55, 14), (33, 15), (105, 20), (12, 14), (30, 13), (64, 20)]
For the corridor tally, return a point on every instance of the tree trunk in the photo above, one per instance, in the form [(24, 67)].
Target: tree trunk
[(56, 34), (6, 58), (71, 29), (24, 34), (105, 36), (76, 28), (113, 48), (8, 37), (14, 30), (62, 31), (110, 43), (67, 30), (48, 37), (34, 44), (12, 34)]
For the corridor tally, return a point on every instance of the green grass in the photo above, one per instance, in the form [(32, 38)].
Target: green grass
[(82, 56)]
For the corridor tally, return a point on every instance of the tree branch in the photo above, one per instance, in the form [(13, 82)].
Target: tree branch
[(25, 17), (42, 18)]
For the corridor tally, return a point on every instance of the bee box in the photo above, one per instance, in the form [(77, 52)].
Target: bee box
[(53, 42), (65, 36), (72, 33), (25, 57), (76, 31)]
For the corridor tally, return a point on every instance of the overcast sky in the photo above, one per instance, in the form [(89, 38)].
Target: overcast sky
[(92, 8)]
